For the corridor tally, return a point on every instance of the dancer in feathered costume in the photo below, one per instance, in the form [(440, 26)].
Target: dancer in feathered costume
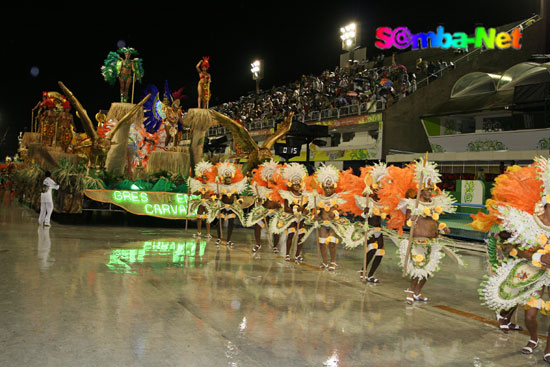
[(124, 69), (519, 212), (328, 200), (203, 88), (228, 184), (263, 182), (291, 219), (369, 232), (399, 187), (199, 186), (164, 113)]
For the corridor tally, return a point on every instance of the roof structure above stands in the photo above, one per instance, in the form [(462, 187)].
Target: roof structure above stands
[(479, 91)]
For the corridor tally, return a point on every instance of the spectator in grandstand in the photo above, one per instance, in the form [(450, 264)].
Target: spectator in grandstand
[(332, 89), (419, 65), (480, 174)]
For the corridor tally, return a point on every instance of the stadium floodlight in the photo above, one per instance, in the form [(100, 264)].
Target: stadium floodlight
[(348, 35), (257, 70)]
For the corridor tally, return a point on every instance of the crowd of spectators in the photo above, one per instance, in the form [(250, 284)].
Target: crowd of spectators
[(433, 69), (364, 82)]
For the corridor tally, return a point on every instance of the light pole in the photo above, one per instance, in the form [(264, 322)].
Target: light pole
[(257, 70), (350, 39)]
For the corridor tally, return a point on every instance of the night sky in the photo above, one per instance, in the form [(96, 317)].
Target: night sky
[(69, 41)]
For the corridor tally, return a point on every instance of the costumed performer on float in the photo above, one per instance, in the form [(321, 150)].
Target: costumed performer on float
[(521, 211), (412, 196), (264, 179), (369, 232), (205, 79), (229, 184), (328, 200), (291, 218), (199, 186), (126, 70)]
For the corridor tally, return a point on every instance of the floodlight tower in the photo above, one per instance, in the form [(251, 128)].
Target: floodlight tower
[(349, 34), (257, 70)]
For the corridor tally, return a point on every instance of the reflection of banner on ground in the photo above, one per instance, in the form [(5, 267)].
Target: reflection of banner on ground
[(157, 254), (166, 205)]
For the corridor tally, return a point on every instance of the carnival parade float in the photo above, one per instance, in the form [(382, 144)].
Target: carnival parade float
[(136, 156)]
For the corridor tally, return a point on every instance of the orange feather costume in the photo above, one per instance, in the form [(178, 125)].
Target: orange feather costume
[(398, 184), (518, 187)]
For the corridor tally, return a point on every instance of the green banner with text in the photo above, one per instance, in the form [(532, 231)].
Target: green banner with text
[(166, 205)]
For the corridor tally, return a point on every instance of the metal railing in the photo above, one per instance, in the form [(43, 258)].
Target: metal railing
[(461, 233), (313, 116)]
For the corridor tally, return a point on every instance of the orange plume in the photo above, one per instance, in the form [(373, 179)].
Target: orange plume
[(518, 187), (350, 185), (211, 174), (394, 187), (257, 178), (239, 176), (311, 184)]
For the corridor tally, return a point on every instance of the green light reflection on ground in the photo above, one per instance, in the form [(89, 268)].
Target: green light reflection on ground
[(157, 254)]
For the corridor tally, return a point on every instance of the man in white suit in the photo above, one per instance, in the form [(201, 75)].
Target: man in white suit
[(46, 201)]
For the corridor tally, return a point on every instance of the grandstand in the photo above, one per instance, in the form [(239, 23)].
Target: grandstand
[(373, 111)]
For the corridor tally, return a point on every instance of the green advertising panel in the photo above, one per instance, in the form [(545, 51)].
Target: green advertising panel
[(166, 205)]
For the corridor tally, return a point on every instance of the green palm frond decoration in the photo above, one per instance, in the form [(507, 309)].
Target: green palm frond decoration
[(28, 174), (94, 183), (72, 177)]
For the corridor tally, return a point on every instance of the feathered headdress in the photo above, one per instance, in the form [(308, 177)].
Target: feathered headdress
[(372, 176), (172, 99), (328, 175), (543, 174), (226, 169), (128, 50), (205, 63), (268, 169), (202, 167), (153, 110), (378, 172), (294, 173), (428, 173)]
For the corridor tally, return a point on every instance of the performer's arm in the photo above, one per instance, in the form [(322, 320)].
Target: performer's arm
[(446, 230), (198, 66), (51, 183), (543, 259), (286, 207), (335, 213)]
